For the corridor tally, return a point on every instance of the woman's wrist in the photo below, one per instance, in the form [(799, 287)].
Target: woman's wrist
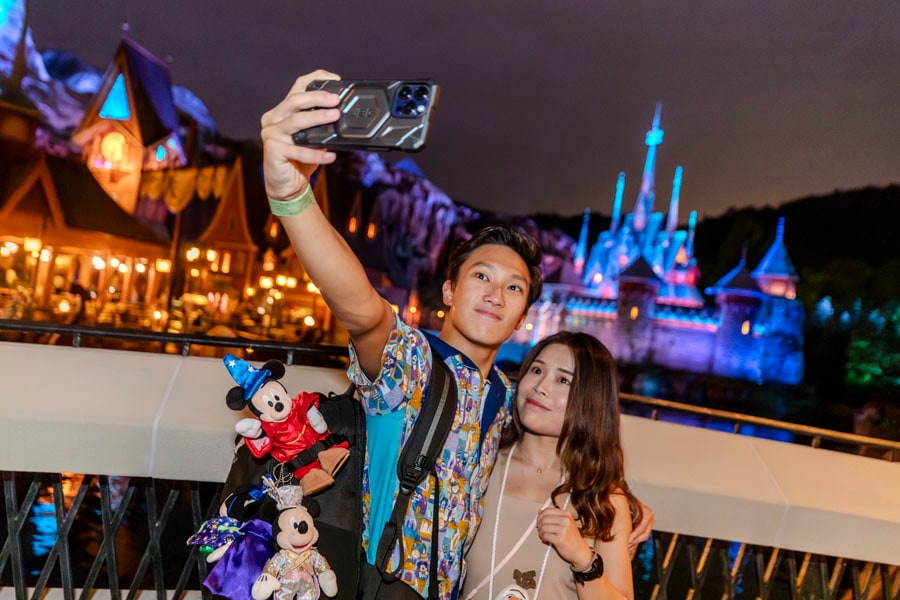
[(592, 572), (583, 564)]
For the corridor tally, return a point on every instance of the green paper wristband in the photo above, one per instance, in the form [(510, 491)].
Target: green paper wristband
[(294, 206)]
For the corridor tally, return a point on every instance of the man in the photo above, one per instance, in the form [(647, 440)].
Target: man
[(493, 278)]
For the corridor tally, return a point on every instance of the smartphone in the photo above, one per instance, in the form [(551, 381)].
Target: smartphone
[(375, 115)]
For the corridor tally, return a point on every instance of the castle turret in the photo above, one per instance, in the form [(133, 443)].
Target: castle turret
[(638, 289), (775, 273), (737, 351)]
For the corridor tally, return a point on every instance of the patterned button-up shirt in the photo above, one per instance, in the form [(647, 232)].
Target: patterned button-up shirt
[(463, 468)]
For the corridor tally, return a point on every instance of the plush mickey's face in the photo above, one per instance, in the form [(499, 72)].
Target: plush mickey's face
[(272, 402), (294, 530)]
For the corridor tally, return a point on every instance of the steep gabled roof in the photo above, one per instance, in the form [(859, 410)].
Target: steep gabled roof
[(736, 281), (776, 262), (85, 205), (640, 269), (148, 89)]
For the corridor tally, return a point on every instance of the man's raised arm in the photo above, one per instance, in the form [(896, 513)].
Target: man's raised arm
[(327, 258)]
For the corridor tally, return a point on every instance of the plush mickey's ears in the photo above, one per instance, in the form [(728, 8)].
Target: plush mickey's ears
[(235, 398), (246, 375)]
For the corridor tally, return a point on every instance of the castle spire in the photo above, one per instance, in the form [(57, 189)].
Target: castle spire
[(644, 204), (692, 226), (617, 205), (672, 223), (581, 249)]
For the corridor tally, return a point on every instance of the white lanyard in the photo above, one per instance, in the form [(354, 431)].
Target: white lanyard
[(496, 567)]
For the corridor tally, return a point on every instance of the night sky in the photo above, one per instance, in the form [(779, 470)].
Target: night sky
[(543, 102)]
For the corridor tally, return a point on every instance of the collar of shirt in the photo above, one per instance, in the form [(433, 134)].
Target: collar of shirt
[(496, 392)]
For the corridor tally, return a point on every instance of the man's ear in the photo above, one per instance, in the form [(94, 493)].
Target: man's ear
[(447, 293)]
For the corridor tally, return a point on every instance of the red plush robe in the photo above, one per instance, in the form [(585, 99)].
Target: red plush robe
[(286, 439)]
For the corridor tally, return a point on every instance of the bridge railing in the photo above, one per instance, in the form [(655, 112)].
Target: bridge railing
[(71, 534)]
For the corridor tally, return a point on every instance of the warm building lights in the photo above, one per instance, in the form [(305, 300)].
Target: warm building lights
[(112, 147), (266, 282), (192, 254), (32, 244), (98, 263), (211, 255), (309, 321), (163, 265)]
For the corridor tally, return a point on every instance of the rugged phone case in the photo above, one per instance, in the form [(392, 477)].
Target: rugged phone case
[(375, 115)]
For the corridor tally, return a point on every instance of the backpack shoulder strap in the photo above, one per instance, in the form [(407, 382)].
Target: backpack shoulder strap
[(418, 457)]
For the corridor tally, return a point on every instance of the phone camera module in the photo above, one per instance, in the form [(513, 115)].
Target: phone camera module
[(408, 108), (421, 93), (405, 92)]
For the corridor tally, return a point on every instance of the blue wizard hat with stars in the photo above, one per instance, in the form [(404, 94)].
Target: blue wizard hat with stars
[(246, 375)]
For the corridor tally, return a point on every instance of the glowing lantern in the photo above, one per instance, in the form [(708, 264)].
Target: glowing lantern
[(112, 147)]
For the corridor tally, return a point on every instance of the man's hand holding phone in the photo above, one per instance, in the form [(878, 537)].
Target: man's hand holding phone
[(379, 115), (287, 165)]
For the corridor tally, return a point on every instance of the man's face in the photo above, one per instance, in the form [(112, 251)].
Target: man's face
[(489, 298)]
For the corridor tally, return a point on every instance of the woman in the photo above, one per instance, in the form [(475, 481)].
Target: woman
[(558, 512)]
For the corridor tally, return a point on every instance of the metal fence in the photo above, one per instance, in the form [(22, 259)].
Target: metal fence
[(80, 533)]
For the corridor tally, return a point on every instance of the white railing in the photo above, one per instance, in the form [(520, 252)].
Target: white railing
[(160, 416)]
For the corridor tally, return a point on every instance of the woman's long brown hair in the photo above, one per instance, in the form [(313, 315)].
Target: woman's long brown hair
[(589, 448)]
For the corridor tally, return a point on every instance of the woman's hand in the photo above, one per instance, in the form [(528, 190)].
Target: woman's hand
[(557, 527), (642, 530)]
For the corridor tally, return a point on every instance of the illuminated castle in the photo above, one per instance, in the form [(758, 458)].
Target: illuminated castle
[(636, 290)]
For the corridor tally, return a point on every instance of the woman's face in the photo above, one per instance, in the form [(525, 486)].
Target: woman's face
[(543, 392)]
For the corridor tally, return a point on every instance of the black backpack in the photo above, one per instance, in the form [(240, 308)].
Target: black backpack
[(340, 521)]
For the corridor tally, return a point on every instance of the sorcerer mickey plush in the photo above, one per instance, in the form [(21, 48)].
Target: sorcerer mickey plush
[(291, 430)]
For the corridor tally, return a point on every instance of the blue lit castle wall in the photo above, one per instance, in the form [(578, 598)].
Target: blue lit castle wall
[(636, 290)]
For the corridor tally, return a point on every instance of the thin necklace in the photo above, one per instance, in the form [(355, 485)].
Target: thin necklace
[(537, 589), (540, 469)]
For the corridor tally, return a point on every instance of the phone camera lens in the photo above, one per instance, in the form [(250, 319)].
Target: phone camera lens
[(408, 108), (405, 92), (421, 93)]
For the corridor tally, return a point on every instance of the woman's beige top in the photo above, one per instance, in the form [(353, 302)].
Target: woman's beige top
[(518, 578)]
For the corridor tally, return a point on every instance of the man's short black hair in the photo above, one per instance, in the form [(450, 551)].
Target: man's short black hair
[(503, 235)]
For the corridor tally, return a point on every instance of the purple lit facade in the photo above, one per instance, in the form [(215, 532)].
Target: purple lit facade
[(636, 290)]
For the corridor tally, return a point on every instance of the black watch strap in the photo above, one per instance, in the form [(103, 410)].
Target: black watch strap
[(595, 571)]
